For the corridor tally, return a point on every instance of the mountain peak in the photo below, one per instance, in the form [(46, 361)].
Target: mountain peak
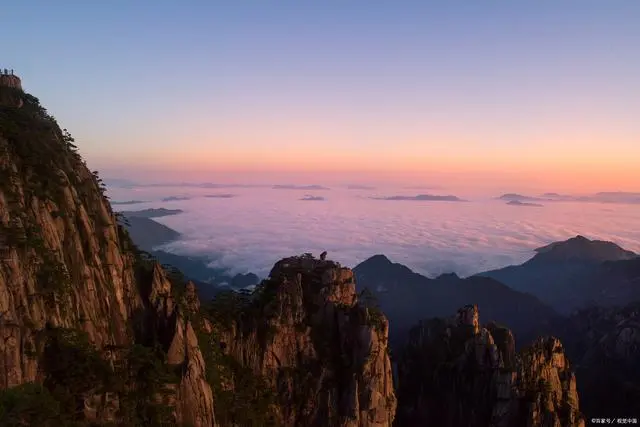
[(580, 248), (448, 276), (383, 268), (378, 259)]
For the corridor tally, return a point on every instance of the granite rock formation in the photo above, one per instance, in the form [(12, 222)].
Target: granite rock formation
[(307, 336), (96, 332), (605, 345), (76, 297), (11, 81), (453, 372), (11, 94)]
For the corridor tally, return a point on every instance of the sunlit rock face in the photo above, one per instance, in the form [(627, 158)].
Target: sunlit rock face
[(98, 325), (11, 94), (325, 353), (69, 272), (453, 372)]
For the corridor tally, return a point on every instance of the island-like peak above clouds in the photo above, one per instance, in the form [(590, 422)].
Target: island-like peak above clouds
[(423, 197), (128, 202), (519, 203), (618, 197), (310, 198), (220, 196), (360, 187), (514, 197), (176, 198), (581, 248), (299, 187)]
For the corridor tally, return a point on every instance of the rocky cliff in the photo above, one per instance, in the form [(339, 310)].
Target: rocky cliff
[(97, 332), (78, 304), (453, 372), (11, 94), (605, 345), (10, 81), (307, 337)]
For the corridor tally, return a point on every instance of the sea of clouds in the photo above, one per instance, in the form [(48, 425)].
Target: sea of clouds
[(249, 229)]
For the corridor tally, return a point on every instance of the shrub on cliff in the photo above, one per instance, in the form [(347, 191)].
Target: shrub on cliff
[(31, 404)]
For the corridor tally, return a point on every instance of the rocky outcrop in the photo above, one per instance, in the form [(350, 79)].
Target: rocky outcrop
[(193, 395), (457, 373), (61, 254), (605, 345), (95, 331), (11, 93), (307, 336), (11, 81), (74, 293)]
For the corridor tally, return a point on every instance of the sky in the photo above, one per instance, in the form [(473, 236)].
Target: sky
[(538, 95)]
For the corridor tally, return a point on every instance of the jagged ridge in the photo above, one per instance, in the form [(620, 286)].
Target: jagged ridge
[(455, 373), (304, 333)]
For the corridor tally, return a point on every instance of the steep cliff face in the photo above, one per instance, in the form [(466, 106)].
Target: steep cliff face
[(306, 336), (10, 81), (76, 301), (457, 373), (605, 344), (11, 94), (96, 332)]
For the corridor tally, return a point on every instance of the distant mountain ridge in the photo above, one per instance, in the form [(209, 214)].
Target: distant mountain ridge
[(299, 187), (519, 203), (583, 249), (423, 197), (575, 273), (147, 233), (407, 297), (514, 197), (151, 213)]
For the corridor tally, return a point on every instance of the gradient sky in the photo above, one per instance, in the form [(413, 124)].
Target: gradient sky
[(538, 93)]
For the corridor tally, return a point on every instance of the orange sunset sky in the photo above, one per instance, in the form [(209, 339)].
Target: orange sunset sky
[(539, 95)]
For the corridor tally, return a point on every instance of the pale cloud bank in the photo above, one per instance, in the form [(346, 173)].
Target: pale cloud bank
[(250, 233)]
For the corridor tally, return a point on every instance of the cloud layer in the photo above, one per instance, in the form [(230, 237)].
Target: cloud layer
[(252, 231)]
